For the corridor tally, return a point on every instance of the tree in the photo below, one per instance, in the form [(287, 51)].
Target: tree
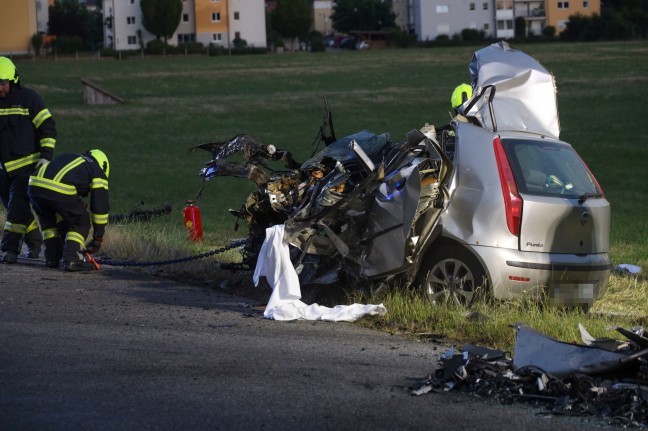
[(68, 19), (291, 18), (161, 17), (363, 15)]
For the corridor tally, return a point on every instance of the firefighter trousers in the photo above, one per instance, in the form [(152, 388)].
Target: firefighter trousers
[(65, 226), (20, 222)]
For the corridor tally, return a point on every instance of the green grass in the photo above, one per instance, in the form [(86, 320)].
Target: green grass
[(175, 103)]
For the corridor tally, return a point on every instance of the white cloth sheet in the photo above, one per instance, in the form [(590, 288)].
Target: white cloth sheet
[(285, 301)]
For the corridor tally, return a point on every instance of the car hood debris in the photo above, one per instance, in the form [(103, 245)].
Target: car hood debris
[(603, 377)]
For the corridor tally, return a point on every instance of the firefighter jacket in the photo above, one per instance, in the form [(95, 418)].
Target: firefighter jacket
[(70, 176), (27, 130)]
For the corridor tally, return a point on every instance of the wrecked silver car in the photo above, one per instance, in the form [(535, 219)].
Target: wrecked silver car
[(492, 202)]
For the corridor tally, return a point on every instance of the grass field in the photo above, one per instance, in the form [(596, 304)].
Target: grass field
[(175, 103)]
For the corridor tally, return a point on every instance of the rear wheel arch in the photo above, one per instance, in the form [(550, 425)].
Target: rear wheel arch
[(451, 273)]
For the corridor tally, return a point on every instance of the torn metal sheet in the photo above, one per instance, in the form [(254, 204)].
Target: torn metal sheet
[(619, 396), (512, 91), (535, 349)]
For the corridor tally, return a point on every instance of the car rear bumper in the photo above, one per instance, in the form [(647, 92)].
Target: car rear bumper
[(565, 279)]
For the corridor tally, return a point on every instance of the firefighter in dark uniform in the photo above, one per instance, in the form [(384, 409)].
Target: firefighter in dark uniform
[(56, 191), (27, 140)]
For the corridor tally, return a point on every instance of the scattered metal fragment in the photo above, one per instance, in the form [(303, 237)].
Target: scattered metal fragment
[(590, 380)]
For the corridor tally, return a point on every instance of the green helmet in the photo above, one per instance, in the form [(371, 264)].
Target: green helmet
[(460, 94), (101, 159), (8, 70)]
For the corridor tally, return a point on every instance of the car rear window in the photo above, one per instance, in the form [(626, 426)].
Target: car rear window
[(548, 169)]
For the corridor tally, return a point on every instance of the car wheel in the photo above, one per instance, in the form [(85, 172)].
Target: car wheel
[(453, 276)]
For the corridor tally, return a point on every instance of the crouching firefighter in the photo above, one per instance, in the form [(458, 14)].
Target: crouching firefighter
[(55, 191)]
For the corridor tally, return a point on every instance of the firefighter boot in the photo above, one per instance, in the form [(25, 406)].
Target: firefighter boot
[(34, 241), (10, 246), (53, 252), (73, 260), (9, 257)]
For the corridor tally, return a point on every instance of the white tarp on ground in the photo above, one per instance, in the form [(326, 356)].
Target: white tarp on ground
[(525, 92), (285, 301)]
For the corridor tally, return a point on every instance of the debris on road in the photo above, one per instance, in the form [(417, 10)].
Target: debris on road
[(604, 378)]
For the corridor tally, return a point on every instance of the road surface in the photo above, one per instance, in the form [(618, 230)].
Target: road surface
[(119, 350)]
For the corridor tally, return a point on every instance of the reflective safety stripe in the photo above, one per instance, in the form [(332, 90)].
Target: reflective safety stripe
[(45, 183), (48, 142), (76, 237), (14, 227), (33, 225), (100, 218), (40, 117), (14, 111), (22, 162), (67, 168), (51, 233), (99, 183)]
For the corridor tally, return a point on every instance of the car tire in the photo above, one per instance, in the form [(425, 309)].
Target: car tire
[(451, 275)]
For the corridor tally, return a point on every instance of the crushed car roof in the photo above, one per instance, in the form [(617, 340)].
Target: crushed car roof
[(521, 92)]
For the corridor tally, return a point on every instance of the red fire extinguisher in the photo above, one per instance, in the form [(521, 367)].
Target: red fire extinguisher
[(191, 214)]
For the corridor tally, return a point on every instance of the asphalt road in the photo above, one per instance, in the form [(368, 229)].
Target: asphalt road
[(119, 350)]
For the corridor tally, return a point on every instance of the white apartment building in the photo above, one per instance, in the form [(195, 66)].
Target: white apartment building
[(216, 22)]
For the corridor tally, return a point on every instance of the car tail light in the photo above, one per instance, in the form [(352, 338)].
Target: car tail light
[(512, 200), (591, 175)]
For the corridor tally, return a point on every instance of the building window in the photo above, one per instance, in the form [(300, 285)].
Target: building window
[(506, 24), (563, 5), (132, 40), (237, 35), (236, 15), (504, 5), (186, 38), (130, 20), (585, 4), (562, 24), (132, 1), (485, 6), (217, 37), (215, 16), (185, 17), (215, 1), (443, 29), (442, 8), (472, 6), (486, 26)]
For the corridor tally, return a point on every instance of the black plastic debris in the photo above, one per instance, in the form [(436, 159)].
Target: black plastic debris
[(609, 383)]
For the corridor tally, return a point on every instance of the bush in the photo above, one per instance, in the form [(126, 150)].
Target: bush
[(192, 47), (472, 35), (37, 42), (156, 47), (67, 44), (315, 40), (401, 39), (239, 43)]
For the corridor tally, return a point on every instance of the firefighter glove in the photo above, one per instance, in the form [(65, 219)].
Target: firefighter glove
[(94, 245)]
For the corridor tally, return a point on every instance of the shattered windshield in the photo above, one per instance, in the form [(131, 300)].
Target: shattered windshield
[(339, 150)]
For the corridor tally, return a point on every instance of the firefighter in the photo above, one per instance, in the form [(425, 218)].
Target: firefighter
[(459, 96), (56, 191), (27, 140)]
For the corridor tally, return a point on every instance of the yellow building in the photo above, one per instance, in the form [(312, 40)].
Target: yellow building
[(17, 25), (559, 11)]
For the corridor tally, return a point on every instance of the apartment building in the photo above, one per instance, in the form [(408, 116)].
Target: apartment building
[(538, 14), (216, 22), (322, 11), (434, 18), (19, 21)]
